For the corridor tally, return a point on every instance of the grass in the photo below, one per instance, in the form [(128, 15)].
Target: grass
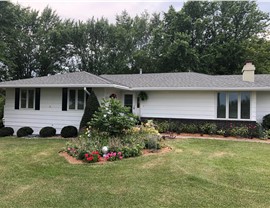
[(196, 173)]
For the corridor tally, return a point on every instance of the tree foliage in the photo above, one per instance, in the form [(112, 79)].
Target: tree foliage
[(209, 37)]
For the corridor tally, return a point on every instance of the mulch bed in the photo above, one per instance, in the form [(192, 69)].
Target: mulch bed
[(146, 152), (215, 137)]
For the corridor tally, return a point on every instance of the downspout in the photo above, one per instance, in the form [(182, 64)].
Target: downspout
[(85, 90)]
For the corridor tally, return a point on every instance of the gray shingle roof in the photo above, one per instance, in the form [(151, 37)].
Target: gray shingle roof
[(155, 81), (187, 80), (60, 80)]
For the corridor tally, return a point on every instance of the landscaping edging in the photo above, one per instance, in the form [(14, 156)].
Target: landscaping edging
[(213, 137), (145, 152)]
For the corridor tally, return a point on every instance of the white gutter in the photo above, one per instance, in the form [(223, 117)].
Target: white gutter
[(65, 85), (138, 88), (199, 89)]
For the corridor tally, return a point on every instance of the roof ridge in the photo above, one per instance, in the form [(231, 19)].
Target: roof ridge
[(155, 74), (98, 76)]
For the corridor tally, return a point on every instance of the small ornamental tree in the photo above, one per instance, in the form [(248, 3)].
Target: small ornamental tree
[(91, 107), (266, 122), (113, 118)]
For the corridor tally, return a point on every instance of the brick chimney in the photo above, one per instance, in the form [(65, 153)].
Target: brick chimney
[(248, 72)]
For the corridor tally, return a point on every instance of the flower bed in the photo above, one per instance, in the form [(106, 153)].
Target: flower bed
[(102, 160), (113, 135)]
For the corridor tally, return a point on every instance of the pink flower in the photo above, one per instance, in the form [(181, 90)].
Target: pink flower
[(69, 148), (86, 155), (120, 157), (114, 154), (119, 153)]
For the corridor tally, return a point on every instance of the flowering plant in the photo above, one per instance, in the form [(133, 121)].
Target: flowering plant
[(72, 151), (92, 157), (112, 156)]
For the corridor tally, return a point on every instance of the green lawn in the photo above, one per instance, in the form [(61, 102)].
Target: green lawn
[(196, 173)]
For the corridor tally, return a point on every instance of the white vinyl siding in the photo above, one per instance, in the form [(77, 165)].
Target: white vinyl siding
[(263, 105), (50, 113), (176, 104)]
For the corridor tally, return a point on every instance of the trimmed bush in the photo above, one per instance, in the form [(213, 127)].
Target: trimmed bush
[(266, 122), (6, 131), (91, 107), (24, 131), (2, 103), (69, 131), (47, 131)]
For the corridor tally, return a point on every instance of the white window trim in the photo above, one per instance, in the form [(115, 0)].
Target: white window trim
[(76, 100), (27, 99), (238, 106)]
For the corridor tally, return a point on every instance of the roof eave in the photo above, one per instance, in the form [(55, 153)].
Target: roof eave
[(64, 85), (201, 89)]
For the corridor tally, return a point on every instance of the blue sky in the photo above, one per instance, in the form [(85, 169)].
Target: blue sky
[(85, 9)]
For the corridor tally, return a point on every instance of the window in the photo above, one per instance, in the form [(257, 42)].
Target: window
[(233, 105), (27, 98), (76, 99), (245, 105), (128, 101), (221, 105)]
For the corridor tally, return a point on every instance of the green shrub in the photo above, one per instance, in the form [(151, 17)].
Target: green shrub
[(221, 132), (91, 107), (162, 126), (69, 131), (47, 131), (208, 128), (241, 131), (189, 128), (24, 131), (167, 126), (2, 103), (266, 122), (131, 151), (266, 134), (152, 142), (113, 118), (6, 131)]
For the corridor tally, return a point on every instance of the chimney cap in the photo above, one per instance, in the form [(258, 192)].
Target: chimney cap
[(248, 67), (248, 61)]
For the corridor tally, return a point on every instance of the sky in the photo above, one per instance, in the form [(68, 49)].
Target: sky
[(85, 9)]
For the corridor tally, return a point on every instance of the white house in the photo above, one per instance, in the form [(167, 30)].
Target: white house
[(59, 100)]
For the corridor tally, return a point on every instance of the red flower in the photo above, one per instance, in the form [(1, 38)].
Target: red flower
[(86, 155), (89, 158)]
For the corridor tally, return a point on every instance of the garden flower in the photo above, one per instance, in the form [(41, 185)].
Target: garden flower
[(119, 153), (86, 155)]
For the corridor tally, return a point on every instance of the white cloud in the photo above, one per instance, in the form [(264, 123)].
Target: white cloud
[(85, 9)]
